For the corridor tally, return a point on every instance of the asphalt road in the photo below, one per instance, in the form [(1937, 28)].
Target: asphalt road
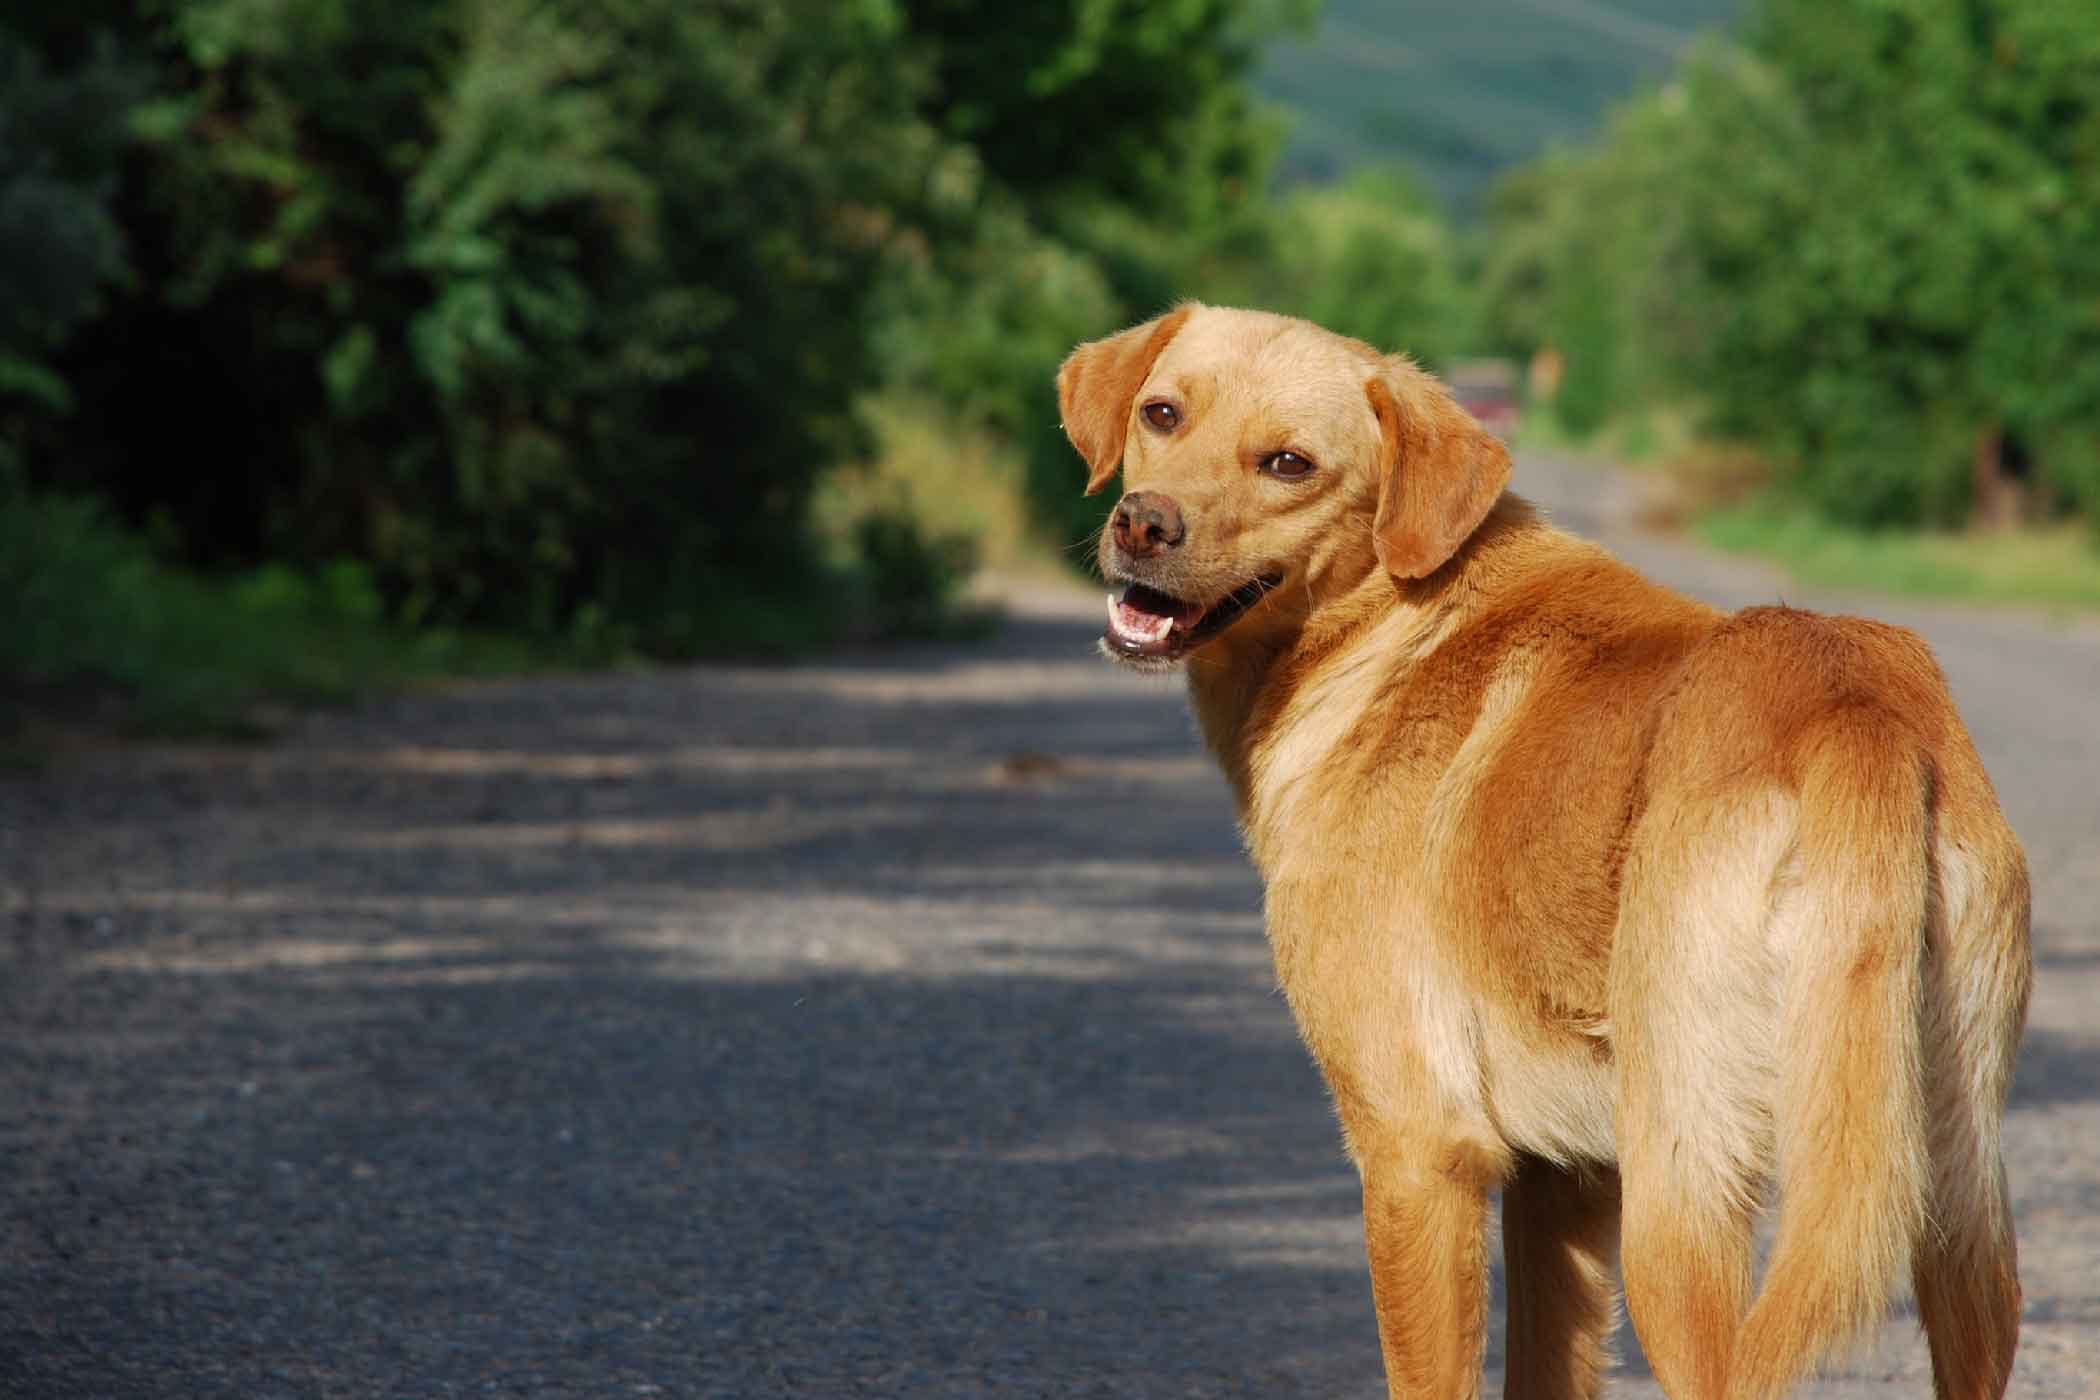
[(899, 1025)]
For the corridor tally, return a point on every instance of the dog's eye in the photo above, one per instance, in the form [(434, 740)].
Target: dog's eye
[(1163, 416), (1288, 465)]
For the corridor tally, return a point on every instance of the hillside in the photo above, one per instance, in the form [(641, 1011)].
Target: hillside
[(1461, 91)]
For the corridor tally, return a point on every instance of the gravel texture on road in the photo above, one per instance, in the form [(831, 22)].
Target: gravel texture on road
[(897, 1025)]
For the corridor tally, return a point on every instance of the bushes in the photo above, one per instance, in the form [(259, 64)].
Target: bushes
[(527, 306)]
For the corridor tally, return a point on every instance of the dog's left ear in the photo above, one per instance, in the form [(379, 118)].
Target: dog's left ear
[(1097, 387), (1442, 472)]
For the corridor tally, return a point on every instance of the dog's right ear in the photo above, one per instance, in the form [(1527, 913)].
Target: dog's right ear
[(1097, 387)]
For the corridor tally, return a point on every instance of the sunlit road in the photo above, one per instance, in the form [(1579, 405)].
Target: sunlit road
[(898, 1025)]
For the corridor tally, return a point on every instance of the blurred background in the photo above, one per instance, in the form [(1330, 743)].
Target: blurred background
[(351, 340)]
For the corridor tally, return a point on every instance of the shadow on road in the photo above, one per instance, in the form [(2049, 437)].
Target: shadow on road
[(2056, 1068), (585, 1176), (900, 1026)]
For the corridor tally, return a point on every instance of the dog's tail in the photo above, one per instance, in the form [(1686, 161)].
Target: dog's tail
[(1849, 1107)]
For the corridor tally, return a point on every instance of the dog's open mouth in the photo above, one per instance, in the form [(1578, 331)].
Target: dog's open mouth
[(1144, 623)]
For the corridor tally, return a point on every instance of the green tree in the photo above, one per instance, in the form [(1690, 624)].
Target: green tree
[(1130, 102), (1863, 236)]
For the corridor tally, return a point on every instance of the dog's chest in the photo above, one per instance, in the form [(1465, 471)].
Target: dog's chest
[(1355, 731)]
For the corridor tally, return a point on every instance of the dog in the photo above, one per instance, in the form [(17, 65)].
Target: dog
[(1579, 890)]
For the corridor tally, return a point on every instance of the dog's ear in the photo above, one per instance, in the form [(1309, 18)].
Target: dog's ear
[(1097, 386), (1442, 472)]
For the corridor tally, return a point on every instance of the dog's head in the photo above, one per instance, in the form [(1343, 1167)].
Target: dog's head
[(1262, 453)]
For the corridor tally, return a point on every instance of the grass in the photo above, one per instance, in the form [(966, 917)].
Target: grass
[(103, 636), (2056, 566)]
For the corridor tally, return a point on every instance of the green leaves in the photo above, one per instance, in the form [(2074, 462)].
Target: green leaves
[(1863, 238), (61, 135), (468, 289)]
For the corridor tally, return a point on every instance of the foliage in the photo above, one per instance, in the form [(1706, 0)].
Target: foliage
[(1864, 237), (61, 133), (1114, 149), (552, 314), (910, 575), (953, 480), (102, 629), (1135, 103), (529, 306), (982, 327), (1373, 257)]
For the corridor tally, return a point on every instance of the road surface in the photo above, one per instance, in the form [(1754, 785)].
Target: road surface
[(897, 1025)]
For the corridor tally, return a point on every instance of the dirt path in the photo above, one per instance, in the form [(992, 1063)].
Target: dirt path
[(899, 1025)]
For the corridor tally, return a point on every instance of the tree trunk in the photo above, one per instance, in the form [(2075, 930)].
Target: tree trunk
[(1996, 497)]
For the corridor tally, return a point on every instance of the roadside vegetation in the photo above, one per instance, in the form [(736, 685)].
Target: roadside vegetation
[(1858, 240), (344, 343), (106, 634)]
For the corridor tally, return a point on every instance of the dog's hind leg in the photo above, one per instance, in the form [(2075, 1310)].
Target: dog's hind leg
[(1968, 1284), (1692, 1012), (1976, 981), (1560, 1240)]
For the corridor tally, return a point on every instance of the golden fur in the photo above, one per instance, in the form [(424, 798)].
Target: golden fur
[(1583, 891)]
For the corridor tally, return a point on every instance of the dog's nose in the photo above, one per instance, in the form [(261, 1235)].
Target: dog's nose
[(1147, 523)]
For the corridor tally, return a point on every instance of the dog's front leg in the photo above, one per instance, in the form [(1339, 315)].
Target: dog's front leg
[(1425, 1229), (1390, 1031)]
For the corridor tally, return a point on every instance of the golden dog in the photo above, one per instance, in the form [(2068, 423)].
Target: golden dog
[(1579, 889)]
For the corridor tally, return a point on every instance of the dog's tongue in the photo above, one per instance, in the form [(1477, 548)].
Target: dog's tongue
[(1148, 615)]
